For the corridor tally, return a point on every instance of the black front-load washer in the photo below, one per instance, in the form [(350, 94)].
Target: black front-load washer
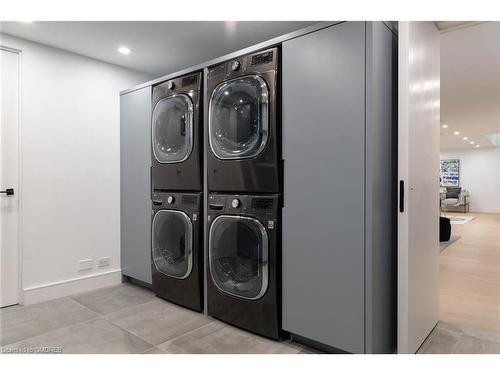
[(244, 262), (243, 128), (176, 133), (176, 248)]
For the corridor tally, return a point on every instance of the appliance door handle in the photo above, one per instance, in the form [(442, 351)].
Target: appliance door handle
[(217, 207), (7, 191), (401, 196)]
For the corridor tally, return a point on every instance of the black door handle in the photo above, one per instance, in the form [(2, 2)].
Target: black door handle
[(401, 196), (217, 207), (7, 191)]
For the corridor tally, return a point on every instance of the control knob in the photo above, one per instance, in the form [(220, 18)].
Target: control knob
[(170, 199), (235, 203), (171, 85), (235, 65)]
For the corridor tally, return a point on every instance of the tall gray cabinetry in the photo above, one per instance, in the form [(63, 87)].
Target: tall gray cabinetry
[(135, 162), (338, 217)]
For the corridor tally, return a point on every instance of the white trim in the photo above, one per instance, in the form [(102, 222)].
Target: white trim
[(63, 288), (484, 210)]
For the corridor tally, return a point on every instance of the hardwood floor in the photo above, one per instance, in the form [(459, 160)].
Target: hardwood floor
[(470, 274)]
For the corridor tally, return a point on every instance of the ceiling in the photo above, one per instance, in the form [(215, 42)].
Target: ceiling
[(157, 48), (470, 58), (470, 85)]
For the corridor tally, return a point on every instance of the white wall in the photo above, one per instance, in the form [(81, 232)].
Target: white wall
[(70, 168), (480, 175)]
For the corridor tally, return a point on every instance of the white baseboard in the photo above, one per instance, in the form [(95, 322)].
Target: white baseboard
[(483, 210), (45, 292)]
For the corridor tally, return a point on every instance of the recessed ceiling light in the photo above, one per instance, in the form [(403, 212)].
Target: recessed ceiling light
[(478, 146), (444, 126), (456, 133), (466, 138), (124, 50), (472, 142)]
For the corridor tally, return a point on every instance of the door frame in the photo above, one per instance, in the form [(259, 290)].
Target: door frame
[(20, 291)]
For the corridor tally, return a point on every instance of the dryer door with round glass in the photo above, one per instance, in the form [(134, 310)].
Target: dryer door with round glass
[(172, 129), (239, 118), (172, 243), (238, 256)]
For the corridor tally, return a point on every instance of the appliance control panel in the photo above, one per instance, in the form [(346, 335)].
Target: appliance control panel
[(175, 200), (262, 58), (262, 205), (257, 62), (181, 85)]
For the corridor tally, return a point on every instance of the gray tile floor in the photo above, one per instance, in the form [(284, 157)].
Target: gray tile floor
[(130, 319), (124, 319), (449, 338)]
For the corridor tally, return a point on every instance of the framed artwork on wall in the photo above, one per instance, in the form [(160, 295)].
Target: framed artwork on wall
[(450, 172)]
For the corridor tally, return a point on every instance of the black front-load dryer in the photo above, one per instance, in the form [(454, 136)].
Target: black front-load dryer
[(243, 125), (176, 250), (176, 133), (244, 262)]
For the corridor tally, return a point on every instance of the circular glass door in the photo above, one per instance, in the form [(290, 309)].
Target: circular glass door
[(238, 118), (238, 256), (172, 246), (172, 130)]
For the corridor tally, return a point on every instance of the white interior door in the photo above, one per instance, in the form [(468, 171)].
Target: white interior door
[(9, 177), (418, 168)]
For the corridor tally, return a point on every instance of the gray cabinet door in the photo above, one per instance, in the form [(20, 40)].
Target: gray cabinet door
[(324, 186), (135, 162)]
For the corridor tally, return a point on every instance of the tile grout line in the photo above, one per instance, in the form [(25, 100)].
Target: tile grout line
[(131, 333), (169, 304), (189, 332), (53, 330), (453, 351), (72, 299), (116, 311), (85, 307), (299, 347), (83, 322)]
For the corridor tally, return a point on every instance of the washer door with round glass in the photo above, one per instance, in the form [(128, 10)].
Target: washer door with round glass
[(238, 118), (238, 256), (172, 243), (172, 131)]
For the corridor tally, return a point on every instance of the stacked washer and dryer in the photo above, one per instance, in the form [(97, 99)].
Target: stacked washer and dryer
[(244, 169), (176, 181)]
